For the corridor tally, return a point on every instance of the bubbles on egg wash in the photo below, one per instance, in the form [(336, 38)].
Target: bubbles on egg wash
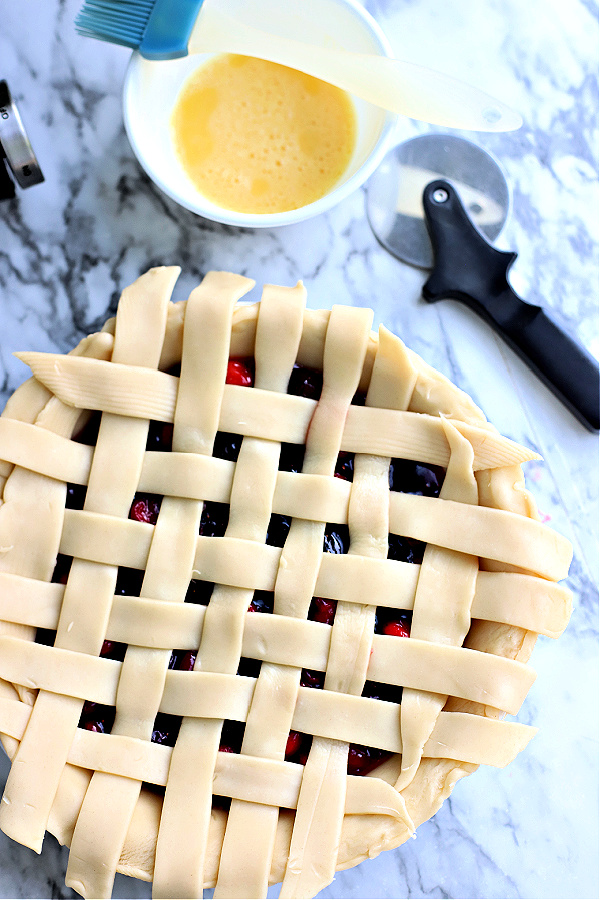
[(256, 137)]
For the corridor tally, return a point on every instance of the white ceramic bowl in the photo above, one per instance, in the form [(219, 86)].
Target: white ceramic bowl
[(151, 89)]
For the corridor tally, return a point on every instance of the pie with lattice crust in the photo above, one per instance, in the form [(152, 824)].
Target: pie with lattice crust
[(268, 586)]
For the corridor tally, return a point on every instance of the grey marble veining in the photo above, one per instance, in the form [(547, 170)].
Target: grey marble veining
[(69, 246)]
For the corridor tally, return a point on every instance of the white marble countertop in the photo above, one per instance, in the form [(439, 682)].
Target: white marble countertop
[(67, 248)]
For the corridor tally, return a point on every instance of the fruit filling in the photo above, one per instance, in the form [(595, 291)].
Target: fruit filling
[(404, 475), (145, 508)]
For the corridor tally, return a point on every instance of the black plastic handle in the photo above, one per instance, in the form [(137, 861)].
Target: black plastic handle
[(470, 269)]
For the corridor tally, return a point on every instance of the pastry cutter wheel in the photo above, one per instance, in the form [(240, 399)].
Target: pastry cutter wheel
[(436, 202), (15, 148)]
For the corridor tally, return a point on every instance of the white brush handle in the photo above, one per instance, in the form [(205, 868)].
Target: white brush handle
[(400, 87)]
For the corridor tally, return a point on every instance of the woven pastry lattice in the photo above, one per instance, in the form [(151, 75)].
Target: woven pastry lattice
[(484, 589)]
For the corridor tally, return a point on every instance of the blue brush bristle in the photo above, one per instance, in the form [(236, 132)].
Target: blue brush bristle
[(118, 21), (159, 29)]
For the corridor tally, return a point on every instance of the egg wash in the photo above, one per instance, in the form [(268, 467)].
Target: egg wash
[(257, 137)]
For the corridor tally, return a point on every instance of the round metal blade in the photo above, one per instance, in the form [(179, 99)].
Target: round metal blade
[(14, 143), (395, 191)]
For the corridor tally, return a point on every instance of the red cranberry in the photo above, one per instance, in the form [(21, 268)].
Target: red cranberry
[(396, 627), (392, 621), (145, 509), (298, 747), (239, 372), (322, 610), (188, 661), (364, 759), (113, 650), (294, 742), (183, 660)]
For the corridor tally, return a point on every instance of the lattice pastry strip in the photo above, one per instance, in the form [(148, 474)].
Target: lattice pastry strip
[(492, 534), (94, 384), (254, 827), (290, 822), (250, 510), (504, 597), (352, 632), (502, 683), (55, 456), (457, 736), (179, 854), (442, 606), (109, 802), (317, 825)]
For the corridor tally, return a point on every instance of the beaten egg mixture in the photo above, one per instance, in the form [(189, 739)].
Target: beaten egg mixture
[(256, 137)]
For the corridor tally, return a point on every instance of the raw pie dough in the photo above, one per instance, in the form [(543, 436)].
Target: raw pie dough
[(487, 586)]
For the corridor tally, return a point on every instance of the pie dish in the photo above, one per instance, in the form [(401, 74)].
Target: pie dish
[(268, 587)]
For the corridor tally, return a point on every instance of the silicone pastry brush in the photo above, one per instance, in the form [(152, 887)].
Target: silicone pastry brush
[(169, 29)]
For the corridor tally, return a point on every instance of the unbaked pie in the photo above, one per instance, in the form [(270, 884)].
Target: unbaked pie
[(268, 586)]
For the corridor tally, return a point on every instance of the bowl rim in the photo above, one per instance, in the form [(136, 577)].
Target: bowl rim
[(216, 213)]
